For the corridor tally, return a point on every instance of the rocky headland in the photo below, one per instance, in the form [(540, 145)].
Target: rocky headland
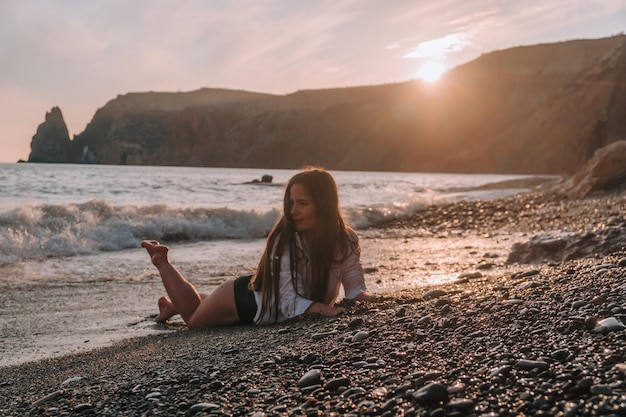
[(540, 109)]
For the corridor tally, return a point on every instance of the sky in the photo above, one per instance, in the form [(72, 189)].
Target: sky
[(78, 54)]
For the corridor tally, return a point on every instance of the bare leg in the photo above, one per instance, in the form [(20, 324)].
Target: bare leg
[(217, 309), (184, 296), (167, 309)]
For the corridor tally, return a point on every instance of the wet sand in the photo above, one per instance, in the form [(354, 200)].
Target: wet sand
[(50, 319)]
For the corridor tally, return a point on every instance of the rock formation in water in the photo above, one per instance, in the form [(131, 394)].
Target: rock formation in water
[(541, 109), (52, 142)]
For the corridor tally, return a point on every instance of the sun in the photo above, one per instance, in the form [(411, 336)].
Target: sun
[(431, 71)]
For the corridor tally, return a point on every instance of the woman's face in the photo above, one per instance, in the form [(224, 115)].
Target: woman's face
[(303, 211)]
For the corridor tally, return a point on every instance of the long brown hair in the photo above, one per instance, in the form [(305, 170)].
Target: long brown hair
[(329, 241)]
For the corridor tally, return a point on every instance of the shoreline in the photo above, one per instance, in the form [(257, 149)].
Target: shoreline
[(513, 339), (60, 318)]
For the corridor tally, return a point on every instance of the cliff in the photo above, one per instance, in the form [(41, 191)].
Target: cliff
[(541, 109)]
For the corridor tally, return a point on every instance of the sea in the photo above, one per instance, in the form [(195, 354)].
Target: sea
[(73, 274)]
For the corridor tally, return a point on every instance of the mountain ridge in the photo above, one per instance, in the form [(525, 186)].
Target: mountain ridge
[(539, 109)]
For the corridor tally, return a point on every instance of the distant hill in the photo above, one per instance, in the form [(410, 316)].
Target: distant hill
[(540, 109)]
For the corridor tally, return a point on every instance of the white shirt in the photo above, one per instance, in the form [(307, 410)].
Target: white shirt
[(348, 273)]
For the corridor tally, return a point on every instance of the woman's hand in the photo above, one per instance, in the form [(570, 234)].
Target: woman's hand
[(325, 310)]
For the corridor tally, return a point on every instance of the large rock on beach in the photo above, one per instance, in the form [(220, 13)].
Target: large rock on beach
[(607, 168), (558, 246)]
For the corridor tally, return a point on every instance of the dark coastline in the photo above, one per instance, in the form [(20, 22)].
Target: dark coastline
[(495, 343)]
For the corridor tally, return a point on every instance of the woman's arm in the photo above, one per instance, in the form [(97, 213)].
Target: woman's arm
[(324, 309), (366, 297), (352, 277)]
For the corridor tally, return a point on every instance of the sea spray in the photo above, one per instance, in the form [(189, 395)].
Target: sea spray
[(97, 226)]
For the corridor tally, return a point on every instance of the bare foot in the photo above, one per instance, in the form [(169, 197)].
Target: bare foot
[(157, 252), (166, 310)]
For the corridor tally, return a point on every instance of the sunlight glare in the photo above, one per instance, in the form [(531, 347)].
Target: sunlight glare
[(431, 71)]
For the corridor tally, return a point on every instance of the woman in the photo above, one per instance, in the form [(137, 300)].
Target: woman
[(309, 253)]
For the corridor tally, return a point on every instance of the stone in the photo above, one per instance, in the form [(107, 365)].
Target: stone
[(323, 335), (336, 383), (431, 395), (601, 389), (461, 404), (611, 324), (559, 246), (607, 165), (82, 407), (470, 275), (360, 336), (528, 365), (312, 377), (71, 380), (200, 407), (47, 398), (428, 295)]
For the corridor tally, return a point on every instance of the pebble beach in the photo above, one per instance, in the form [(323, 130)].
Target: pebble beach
[(503, 339)]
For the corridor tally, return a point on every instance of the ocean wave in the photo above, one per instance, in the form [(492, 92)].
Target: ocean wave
[(64, 230), (37, 232)]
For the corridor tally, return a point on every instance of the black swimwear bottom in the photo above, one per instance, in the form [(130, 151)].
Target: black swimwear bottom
[(244, 300)]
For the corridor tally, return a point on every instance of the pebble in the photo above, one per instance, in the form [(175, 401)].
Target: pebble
[(360, 336), (610, 324), (428, 295), (322, 335), (601, 389), (463, 404), (312, 377), (356, 322), (431, 395), (47, 398), (501, 370), (530, 365), (71, 380), (470, 275), (153, 395), (336, 383), (443, 301), (201, 407), (82, 407), (598, 300)]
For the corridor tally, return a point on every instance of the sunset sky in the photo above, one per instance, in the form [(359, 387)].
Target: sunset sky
[(79, 54)]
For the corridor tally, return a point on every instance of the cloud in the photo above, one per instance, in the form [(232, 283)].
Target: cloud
[(439, 48)]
